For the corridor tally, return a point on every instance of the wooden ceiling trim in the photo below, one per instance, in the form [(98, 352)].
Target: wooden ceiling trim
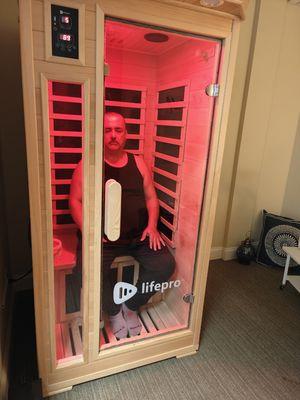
[(168, 14), (230, 8)]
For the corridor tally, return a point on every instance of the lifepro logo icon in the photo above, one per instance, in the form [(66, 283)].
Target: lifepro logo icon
[(123, 291)]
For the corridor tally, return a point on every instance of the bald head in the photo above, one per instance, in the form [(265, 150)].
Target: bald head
[(113, 115)]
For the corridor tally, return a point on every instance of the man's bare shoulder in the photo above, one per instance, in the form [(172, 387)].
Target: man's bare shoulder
[(140, 162), (77, 171)]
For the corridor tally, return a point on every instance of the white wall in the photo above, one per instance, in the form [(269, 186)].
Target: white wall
[(291, 201), (233, 130), (268, 124)]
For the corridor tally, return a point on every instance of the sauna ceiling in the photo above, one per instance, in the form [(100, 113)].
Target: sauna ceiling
[(132, 38)]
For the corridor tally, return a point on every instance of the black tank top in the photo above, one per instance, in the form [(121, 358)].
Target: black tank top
[(134, 216)]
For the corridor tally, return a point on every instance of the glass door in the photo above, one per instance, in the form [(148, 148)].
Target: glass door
[(157, 129)]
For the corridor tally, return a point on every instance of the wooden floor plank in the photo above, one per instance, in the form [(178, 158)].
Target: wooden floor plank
[(76, 337), (143, 331), (166, 314), (148, 322), (159, 323), (66, 340), (59, 342)]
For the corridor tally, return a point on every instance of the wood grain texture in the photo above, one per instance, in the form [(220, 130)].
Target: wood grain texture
[(34, 181), (93, 300), (122, 358), (169, 16), (43, 72), (48, 249), (92, 365), (230, 8)]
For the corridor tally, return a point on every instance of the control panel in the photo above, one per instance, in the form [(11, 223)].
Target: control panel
[(64, 29)]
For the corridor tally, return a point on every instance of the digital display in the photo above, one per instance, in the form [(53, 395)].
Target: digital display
[(65, 19), (64, 31), (65, 37)]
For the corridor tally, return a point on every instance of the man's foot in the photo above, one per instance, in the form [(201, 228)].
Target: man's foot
[(118, 325), (133, 323)]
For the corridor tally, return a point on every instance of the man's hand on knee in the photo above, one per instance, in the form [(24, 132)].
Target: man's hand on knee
[(155, 239)]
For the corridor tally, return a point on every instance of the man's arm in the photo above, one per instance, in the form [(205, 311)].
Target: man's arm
[(155, 240), (75, 199)]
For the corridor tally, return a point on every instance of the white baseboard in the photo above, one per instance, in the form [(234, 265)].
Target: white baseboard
[(216, 253), (229, 253), (224, 253)]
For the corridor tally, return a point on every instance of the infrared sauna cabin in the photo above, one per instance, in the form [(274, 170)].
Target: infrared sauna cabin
[(166, 67)]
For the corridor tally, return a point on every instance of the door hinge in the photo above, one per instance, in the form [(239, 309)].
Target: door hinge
[(106, 69), (189, 298), (213, 90)]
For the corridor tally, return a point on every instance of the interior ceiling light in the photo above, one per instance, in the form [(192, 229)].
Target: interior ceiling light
[(211, 3), (156, 37)]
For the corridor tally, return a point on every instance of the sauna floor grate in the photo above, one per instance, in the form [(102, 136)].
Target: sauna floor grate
[(155, 319), (69, 339)]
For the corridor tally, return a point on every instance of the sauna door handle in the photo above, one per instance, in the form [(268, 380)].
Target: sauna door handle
[(112, 212)]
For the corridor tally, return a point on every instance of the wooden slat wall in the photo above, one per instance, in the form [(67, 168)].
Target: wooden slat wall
[(61, 72), (182, 105), (59, 167), (138, 71), (141, 107)]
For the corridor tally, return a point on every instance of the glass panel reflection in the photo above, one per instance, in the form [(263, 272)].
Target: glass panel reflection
[(172, 114), (171, 95), (173, 132), (130, 96), (158, 160)]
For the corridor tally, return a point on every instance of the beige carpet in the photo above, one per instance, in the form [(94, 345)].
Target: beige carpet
[(250, 347)]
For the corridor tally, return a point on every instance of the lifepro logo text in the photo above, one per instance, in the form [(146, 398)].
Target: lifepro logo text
[(159, 287), (123, 291)]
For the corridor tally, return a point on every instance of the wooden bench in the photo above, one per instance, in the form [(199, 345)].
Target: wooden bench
[(64, 262), (126, 261)]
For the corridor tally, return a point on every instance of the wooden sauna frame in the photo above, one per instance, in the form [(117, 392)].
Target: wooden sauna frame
[(38, 66)]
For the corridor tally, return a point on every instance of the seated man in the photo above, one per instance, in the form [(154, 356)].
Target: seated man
[(139, 235)]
